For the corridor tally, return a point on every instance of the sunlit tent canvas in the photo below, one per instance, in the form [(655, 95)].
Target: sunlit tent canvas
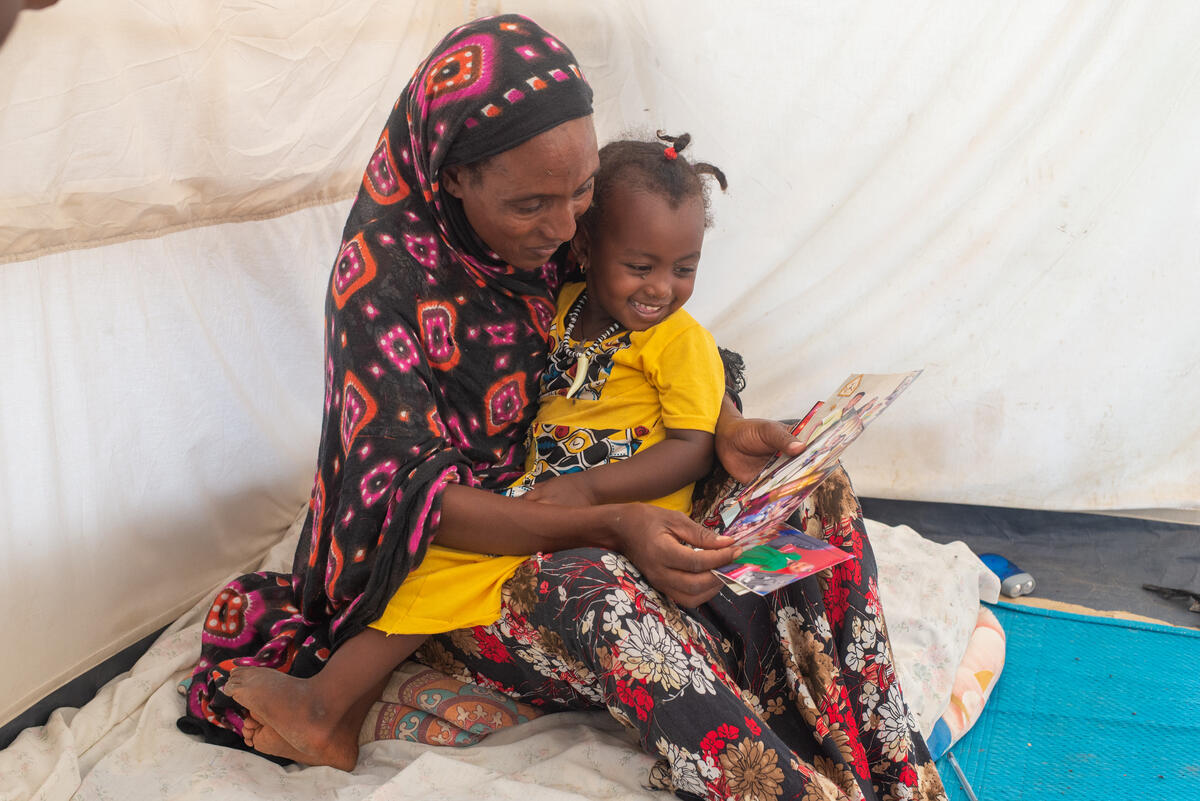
[(1004, 197)]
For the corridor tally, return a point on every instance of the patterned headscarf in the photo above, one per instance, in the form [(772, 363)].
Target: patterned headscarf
[(433, 348)]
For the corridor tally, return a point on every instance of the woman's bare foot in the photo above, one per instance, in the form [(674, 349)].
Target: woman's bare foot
[(268, 741), (342, 753), (289, 718), (250, 728)]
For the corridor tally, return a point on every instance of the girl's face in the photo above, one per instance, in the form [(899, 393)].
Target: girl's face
[(523, 202), (641, 263)]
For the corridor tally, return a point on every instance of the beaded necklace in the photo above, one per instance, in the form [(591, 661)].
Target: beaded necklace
[(583, 351)]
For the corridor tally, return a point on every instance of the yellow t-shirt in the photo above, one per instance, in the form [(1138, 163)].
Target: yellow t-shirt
[(639, 384)]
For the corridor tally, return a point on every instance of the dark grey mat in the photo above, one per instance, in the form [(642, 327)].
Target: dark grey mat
[(1093, 560), (78, 691)]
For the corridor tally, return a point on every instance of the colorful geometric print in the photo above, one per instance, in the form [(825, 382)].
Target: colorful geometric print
[(568, 450), (381, 178), (493, 71), (560, 371), (558, 449), (226, 617), (377, 483), (536, 83), (358, 409), (541, 311), (354, 269), (425, 706), (422, 248), (528, 52), (506, 402), (437, 319), (501, 334), (464, 72), (398, 347), (316, 506)]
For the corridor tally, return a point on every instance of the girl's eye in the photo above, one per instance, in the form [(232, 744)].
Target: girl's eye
[(685, 271), (639, 268)]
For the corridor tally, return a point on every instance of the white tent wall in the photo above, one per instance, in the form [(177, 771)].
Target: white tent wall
[(1005, 195)]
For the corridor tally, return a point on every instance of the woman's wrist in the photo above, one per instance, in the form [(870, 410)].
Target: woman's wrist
[(610, 524)]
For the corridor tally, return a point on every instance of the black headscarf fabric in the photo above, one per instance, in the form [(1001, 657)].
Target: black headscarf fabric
[(433, 349)]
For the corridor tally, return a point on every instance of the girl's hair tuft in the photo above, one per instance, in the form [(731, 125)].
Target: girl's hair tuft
[(652, 167)]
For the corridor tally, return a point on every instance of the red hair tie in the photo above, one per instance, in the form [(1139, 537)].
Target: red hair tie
[(670, 153)]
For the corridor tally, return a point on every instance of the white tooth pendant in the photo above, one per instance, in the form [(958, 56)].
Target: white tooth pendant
[(583, 351), (581, 366)]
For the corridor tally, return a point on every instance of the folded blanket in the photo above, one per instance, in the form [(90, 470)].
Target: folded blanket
[(973, 683), (930, 594)]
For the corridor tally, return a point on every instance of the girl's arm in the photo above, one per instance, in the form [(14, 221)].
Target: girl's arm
[(684, 457), (745, 444), (674, 553)]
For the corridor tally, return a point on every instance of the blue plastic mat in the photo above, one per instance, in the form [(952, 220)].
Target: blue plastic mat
[(1086, 708)]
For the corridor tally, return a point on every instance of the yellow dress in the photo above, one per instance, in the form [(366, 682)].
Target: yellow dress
[(639, 384)]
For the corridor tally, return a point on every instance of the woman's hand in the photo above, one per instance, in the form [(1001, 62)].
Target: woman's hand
[(673, 552), (745, 444), (567, 490)]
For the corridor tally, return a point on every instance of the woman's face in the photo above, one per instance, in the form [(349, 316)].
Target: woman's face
[(523, 203)]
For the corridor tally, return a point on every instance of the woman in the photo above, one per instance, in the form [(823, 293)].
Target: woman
[(436, 333)]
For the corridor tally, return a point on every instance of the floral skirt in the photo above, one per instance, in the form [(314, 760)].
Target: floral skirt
[(789, 696)]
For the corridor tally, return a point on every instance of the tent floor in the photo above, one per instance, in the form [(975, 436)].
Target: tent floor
[(1096, 561)]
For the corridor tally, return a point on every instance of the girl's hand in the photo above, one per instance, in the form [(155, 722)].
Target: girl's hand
[(568, 490), (745, 444), (673, 552)]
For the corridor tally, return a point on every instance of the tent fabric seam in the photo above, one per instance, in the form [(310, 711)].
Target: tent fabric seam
[(155, 233)]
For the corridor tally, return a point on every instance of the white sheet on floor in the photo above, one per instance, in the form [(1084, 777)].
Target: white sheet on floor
[(124, 744), (930, 594)]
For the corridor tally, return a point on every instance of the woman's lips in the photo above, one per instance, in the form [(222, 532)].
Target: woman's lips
[(545, 252)]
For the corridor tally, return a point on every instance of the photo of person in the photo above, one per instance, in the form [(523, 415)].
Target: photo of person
[(765, 567)]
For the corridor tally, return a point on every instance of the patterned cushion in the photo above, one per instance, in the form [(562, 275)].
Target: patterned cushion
[(425, 706)]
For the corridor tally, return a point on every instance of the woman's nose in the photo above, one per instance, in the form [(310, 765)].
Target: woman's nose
[(559, 223)]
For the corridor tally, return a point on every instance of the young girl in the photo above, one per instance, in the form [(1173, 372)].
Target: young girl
[(629, 369), (627, 409)]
